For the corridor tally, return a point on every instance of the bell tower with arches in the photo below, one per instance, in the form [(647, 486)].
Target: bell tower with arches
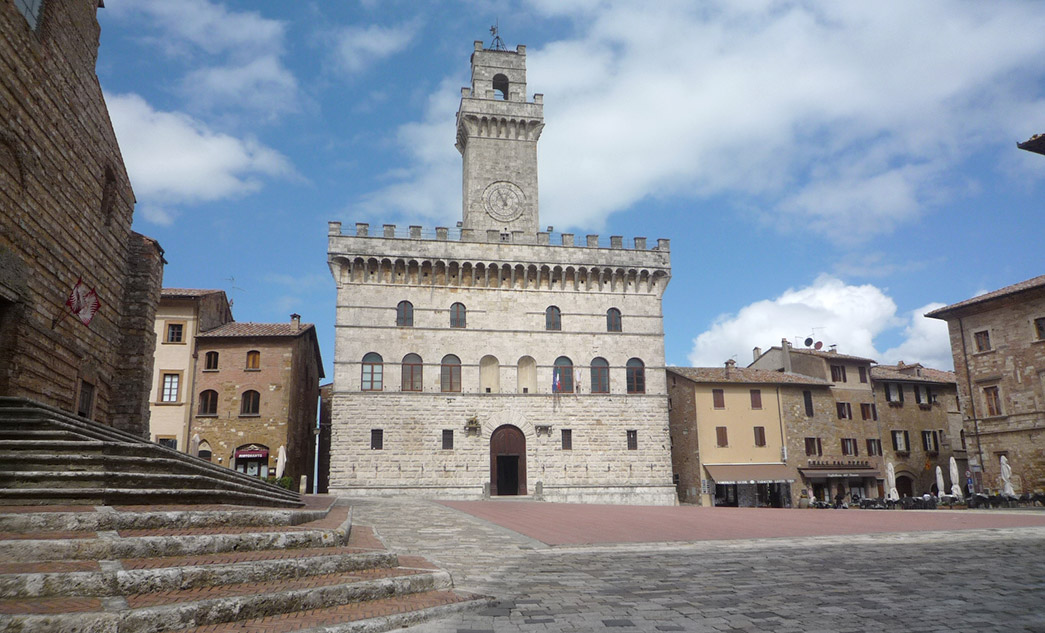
[(497, 133)]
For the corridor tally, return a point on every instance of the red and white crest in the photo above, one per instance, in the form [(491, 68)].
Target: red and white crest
[(83, 302)]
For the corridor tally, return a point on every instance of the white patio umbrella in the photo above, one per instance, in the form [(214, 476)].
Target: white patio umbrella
[(1006, 478), (956, 488), (194, 445), (939, 482), (890, 480), (281, 461)]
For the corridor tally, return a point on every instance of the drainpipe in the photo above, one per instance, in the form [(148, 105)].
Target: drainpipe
[(972, 398)]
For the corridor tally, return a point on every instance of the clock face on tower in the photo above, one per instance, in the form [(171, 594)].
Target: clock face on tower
[(503, 201)]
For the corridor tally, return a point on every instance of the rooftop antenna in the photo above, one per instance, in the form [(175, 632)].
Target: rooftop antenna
[(497, 44), (232, 286)]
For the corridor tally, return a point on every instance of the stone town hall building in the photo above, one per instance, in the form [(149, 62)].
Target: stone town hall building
[(488, 361)]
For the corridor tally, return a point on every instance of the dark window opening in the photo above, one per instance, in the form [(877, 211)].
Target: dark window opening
[(377, 439)]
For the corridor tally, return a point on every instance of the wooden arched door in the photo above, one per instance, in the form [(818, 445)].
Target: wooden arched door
[(507, 461)]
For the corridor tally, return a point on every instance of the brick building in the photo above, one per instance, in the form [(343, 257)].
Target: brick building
[(488, 360), (729, 443), (66, 214), (921, 426), (998, 344), (182, 315), (257, 389)]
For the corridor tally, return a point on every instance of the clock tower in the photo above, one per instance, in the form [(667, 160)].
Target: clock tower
[(497, 132)]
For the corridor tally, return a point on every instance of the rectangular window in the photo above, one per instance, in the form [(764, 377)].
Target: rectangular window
[(377, 439), (863, 374), (719, 397), (849, 446), (893, 392), (760, 436), (600, 378), (808, 397), (86, 402), (633, 440), (845, 411), (169, 442), (170, 388), (983, 341), (993, 398), (917, 393), (865, 411), (448, 439), (722, 436), (1039, 328), (930, 443), (901, 441), (756, 398), (874, 447), (838, 373), (813, 447), (175, 333), (31, 10), (567, 439)]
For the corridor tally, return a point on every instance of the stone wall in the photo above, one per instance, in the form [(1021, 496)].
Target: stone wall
[(600, 467), (67, 214), (685, 444)]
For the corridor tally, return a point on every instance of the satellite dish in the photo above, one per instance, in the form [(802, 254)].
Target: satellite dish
[(808, 342), (819, 344)]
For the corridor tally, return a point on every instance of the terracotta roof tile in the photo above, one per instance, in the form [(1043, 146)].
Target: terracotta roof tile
[(1023, 286), (892, 373), (188, 292), (829, 355), (742, 375), (236, 329)]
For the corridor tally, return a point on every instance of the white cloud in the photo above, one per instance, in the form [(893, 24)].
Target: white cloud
[(843, 118), (925, 341), (833, 312), (235, 57), (355, 48), (174, 159)]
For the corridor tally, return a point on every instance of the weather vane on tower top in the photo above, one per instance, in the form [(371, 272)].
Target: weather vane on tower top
[(497, 44)]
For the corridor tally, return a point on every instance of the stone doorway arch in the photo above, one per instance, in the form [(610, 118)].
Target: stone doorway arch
[(507, 461)]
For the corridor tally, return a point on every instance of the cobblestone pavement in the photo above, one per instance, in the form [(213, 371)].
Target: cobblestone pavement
[(973, 580)]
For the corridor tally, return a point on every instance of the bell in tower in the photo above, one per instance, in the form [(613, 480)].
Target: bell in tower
[(497, 133)]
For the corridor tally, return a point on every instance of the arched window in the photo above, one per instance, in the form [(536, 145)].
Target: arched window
[(458, 315), (500, 86), (636, 376), (373, 372), (211, 361), (613, 320), (552, 318), (209, 402), (562, 375), (253, 359), (405, 314), (450, 373), (412, 373), (600, 375), (250, 403), (526, 376), (489, 375), (204, 451)]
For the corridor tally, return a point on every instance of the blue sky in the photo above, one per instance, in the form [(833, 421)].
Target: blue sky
[(823, 169)]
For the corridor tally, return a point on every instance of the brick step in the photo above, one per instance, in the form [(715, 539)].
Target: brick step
[(22, 479), (231, 604), (29, 519), (32, 583), (111, 496), (108, 547)]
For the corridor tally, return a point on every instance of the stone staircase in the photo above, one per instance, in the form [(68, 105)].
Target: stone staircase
[(48, 456), (209, 568)]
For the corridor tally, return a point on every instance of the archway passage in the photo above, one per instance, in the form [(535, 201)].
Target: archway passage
[(904, 486), (507, 461)]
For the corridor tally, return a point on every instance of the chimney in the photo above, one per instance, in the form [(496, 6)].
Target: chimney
[(756, 353), (730, 364), (295, 321), (785, 351)]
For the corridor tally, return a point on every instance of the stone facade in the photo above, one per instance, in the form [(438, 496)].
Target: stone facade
[(493, 326), (285, 377), (183, 313), (921, 404), (998, 344), (67, 210)]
